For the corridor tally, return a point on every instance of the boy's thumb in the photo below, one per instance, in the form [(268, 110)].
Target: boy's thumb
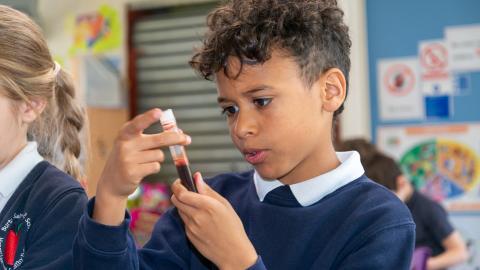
[(204, 189), (199, 183)]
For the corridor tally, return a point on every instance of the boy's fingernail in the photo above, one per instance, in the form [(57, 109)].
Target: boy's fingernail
[(157, 114), (198, 178), (189, 139)]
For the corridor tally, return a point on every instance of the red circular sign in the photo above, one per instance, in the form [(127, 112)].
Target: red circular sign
[(434, 56), (399, 79)]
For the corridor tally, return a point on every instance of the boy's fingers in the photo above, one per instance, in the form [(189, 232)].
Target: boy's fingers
[(181, 193), (152, 141), (183, 208), (185, 219), (189, 198), (147, 169), (195, 200), (178, 188), (155, 155), (199, 183), (205, 189), (138, 124)]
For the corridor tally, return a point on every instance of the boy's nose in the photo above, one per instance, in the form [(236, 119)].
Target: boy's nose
[(245, 125)]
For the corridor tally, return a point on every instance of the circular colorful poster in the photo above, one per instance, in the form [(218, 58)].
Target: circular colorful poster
[(442, 169)]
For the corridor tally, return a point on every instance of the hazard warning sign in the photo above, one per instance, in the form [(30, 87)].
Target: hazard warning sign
[(399, 79), (434, 68), (434, 57), (399, 95)]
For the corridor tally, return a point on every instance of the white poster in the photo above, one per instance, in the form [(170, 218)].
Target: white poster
[(399, 92), (463, 43), (100, 78), (442, 161)]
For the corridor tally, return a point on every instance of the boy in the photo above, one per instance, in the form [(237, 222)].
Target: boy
[(433, 230), (281, 69)]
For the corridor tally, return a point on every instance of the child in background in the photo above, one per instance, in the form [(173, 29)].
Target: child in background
[(146, 205), (40, 123), (433, 229), (281, 69)]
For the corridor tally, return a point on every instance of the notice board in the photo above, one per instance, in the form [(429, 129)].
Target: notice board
[(424, 73)]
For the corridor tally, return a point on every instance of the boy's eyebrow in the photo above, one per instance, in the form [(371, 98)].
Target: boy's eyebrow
[(248, 92), (221, 99)]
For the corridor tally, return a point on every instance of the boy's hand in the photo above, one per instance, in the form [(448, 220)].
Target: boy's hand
[(213, 226), (134, 156)]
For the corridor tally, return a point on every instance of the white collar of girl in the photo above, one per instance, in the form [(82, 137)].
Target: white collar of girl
[(12, 175)]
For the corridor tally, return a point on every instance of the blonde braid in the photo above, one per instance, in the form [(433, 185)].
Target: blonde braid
[(28, 72)]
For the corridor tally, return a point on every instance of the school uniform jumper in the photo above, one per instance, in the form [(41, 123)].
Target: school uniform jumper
[(39, 220), (338, 220)]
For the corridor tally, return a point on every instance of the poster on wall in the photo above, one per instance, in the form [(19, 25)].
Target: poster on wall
[(399, 92), (434, 69), (442, 161), (435, 79), (99, 77), (97, 32), (464, 47)]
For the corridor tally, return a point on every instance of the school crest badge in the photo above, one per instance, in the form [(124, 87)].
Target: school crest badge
[(12, 238)]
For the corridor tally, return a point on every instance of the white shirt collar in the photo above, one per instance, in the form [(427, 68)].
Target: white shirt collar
[(311, 191), (18, 168)]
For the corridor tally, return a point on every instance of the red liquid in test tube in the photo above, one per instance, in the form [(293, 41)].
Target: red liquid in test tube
[(178, 152)]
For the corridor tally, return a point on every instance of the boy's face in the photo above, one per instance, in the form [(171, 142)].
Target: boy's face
[(279, 125)]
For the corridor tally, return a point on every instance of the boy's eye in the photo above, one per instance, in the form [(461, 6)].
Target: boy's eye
[(262, 102), (230, 110)]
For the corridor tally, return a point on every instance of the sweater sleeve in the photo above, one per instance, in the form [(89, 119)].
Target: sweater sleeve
[(388, 248), (50, 245), (98, 246), (258, 265)]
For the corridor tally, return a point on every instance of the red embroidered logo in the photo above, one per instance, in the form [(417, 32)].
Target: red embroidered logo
[(12, 238), (11, 244)]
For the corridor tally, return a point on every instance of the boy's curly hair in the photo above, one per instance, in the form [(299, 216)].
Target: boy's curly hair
[(312, 32)]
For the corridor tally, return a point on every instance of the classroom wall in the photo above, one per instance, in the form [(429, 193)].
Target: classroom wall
[(424, 101), (355, 120), (57, 18), (58, 22)]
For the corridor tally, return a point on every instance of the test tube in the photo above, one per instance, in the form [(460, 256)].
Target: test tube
[(178, 152)]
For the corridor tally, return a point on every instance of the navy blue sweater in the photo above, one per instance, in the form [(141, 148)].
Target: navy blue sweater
[(359, 226), (43, 211)]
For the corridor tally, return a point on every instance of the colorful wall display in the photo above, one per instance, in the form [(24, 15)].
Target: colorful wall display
[(442, 161), (97, 32)]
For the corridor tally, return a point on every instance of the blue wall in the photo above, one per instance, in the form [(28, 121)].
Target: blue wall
[(395, 28)]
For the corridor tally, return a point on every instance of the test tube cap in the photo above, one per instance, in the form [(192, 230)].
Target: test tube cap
[(167, 117)]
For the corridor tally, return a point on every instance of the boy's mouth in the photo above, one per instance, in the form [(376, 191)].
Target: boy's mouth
[(255, 156)]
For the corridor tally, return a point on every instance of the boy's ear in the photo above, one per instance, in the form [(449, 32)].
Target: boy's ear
[(29, 111), (334, 89)]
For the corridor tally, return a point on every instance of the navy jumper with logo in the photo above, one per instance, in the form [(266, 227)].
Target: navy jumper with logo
[(39, 222)]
